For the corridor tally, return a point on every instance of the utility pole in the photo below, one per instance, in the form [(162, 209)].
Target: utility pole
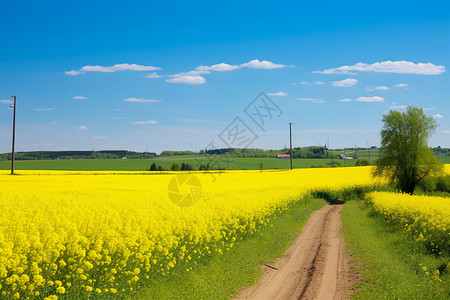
[(290, 142), (332, 155), (14, 136), (355, 150), (368, 149)]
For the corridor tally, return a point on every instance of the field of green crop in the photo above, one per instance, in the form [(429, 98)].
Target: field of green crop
[(235, 163)]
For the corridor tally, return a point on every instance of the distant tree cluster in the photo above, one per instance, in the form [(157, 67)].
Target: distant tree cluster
[(153, 167), (102, 154), (174, 153), (310, 152)]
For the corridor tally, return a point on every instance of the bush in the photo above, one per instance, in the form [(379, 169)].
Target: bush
[(363, 162), (175, 167), (439, 185)]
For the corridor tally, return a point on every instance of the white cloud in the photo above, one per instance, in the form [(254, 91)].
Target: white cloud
[(445, 131), (404, 67), (43, 109), (277, 94), (6, 101), (370, 99), (153, 75), (188, 79), (199, 121), (265, 64), (222, 67), (312, 100), (111, 69), (437, 116), (145, 122), (79, 98), (397, 107), (142, 100), (346, 82), (193, 77), (99, 137), (73, 73), (345, 100), (82, 127), (401, 85), (428, 108), (378, 88), (120, 118), (308, 83)]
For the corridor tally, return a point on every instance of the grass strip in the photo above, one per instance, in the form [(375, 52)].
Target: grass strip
[(391, 262), (223, 275)]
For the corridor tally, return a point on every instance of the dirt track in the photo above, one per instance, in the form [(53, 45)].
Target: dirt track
[(315, 266)]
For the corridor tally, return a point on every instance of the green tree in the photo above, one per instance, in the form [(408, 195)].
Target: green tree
[(153, 167), (175, 167), (405, 157)]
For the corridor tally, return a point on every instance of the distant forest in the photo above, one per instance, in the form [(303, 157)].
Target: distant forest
[(104, 154)]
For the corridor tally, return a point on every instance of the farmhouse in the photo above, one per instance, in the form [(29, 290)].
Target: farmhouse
[(283, 156)]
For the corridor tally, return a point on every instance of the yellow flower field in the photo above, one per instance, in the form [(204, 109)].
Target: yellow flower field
[(426, 217), (73, 234)]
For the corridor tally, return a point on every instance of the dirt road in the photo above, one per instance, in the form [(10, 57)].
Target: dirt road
[(315, 266)]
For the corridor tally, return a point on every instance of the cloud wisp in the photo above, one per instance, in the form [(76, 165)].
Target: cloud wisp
[(277, 94), (311, 100), (370, 99), (145, 122), (112, 69), (349, 82), (402, 67), (437, 116), (43, 109), (141, 100)]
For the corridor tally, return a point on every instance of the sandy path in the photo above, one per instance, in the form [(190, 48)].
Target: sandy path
[(315, 266)]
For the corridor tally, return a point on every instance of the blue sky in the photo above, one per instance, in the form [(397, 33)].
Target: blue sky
[(160, 75)]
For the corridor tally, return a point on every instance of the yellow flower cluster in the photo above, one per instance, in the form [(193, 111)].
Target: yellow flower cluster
[(426, 217), (95, 234)]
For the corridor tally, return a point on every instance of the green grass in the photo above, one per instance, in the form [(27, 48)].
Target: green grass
[(236, 163), (222, 276), (390, 260)]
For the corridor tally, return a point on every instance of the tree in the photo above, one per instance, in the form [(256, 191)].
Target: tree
[(153, 167), (175, 167), (405, 157)]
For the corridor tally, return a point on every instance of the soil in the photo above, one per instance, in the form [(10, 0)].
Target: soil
[(316, 266)]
